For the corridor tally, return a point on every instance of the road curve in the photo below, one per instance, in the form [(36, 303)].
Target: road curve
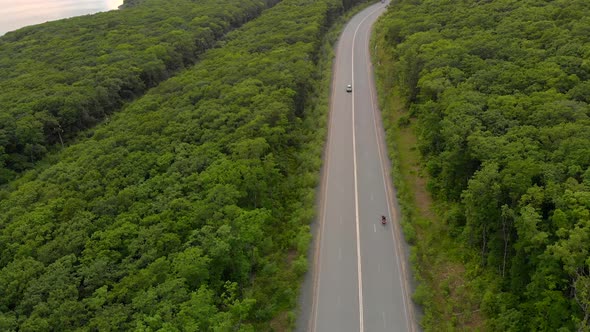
[(359, 280)]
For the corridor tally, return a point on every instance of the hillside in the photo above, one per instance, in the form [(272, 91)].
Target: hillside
[(188, 210), (62, 77), (497, 94)]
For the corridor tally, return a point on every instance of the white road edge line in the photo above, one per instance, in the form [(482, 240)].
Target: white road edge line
[(313, 321), (395, 234), (312, 326), (356, 198)]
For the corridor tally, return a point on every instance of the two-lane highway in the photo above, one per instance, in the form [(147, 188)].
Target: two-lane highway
[(359, 274)]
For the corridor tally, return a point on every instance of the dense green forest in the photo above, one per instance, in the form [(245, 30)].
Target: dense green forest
[(189, 209), (499, 93), (61, 77)]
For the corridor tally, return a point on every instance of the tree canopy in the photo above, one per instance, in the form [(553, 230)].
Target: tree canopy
[(499, 90), (62, 77), (189, 209)]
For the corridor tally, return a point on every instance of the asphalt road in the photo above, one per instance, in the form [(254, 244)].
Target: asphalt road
[(359, 277)]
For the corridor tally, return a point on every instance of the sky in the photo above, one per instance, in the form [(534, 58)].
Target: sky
[(15, 14)]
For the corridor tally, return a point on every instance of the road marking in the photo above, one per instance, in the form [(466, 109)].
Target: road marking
[(312, 325), (313, 321), (372, 196), (384, 321), (396, 234), (356, 198), (374, 228)]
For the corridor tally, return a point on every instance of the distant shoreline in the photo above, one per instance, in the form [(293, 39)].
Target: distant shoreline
[(26, 13)]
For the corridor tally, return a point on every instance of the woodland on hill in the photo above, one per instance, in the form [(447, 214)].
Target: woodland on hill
[(62, 77), (189, 209), (499, 92)]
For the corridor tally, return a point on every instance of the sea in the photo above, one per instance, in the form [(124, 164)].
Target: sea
[(16, 14)]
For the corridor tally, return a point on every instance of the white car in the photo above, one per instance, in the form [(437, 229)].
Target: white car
[(349, 88)]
